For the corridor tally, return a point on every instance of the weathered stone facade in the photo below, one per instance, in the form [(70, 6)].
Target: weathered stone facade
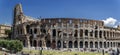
[(63, 32)]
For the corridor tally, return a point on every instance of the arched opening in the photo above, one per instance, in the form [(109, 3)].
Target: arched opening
[(86, 44), (96, 44), (107, 44), (104, 34), (76, 33), (43, 30), (31, 43), (104, 44), (81, 44), (111, 44), (54, 32), (107, 33), (86, 32), (100, 34), (35, 30), (59, 44), (64, 44), (91, 33), (100, 43), (40, 43), (35, 43), (81, 33), (96, 33), (53, 44), (91, 44), (27, 28), (30, 31), (48, 43), (76, 44), (70, 44)]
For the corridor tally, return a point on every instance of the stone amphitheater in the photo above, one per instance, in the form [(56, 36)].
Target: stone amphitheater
[(63, 33)]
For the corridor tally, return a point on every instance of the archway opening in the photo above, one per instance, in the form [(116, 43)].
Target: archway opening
[(91, 44), (81, 44), (76, 44), (59, 44), (70, 44)]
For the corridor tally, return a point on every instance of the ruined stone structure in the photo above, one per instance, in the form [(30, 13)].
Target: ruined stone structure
[(63, 32)]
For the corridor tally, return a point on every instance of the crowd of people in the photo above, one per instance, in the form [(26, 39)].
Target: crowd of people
[(113, 51)]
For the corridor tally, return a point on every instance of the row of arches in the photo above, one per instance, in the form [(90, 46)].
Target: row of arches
[(71, 44), (81, 32)]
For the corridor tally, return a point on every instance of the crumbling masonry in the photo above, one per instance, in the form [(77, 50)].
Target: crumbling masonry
[(63, 32)]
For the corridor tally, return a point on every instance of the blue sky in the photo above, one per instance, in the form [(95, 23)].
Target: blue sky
[(90, 9)]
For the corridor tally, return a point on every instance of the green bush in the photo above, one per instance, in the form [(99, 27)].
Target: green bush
[(11, 45)]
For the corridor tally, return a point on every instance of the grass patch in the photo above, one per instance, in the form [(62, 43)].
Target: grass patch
[(55, 52)]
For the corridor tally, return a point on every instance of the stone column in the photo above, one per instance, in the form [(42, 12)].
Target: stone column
[(83, 44), (102, 34), (93, 44), (93, 33), (98, 44), (28, 41), (78, 44), (98, 34), (24, 29), (102, 44), (73, 44), (61, 44), (88, 44), (37, 43)]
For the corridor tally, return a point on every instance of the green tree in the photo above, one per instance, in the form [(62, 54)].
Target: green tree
[(12, 45)]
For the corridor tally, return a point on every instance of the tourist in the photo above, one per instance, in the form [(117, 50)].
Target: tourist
[(111, 51)]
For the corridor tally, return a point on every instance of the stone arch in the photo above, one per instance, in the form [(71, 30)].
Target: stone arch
[(70, 44), (111, 44), (104, 44), (76, 33), (81, 33), (54, 32), (86, 44), (59, 44), (27, 28), (105, 34), (96, 44), (100, 44), (64, 44), (35, 30), (53, 44), (107, 44), (31, 42), (100, 34), (96, 33), (81, 44), (35, 43), (48, 43), (91, 44), (40, 43), (76, 44), (31, 31), (86, 32)]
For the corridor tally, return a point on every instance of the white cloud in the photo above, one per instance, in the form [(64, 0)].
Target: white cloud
[(110, 22)]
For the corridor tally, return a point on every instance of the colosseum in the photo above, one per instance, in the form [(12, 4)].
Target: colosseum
[(60, 33)]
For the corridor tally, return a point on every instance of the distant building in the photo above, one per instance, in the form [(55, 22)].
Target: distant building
[(3, 30), (62, 33)]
